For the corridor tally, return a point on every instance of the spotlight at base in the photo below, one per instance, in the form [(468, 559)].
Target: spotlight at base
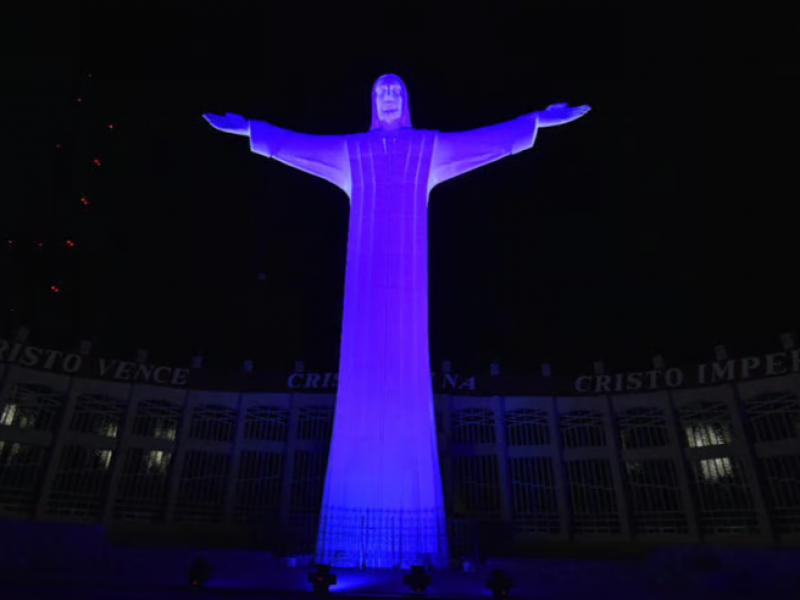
[(199, 573), (500, 584), (418, 580), (322, 579)]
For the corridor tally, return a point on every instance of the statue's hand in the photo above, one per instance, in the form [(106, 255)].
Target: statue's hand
[(559, 114), (230, 123)]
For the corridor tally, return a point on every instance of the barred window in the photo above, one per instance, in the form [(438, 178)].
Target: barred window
[(20, 467), (473, 426), (266, 423), (642, 427), (782, 474), (143, 485), (308, 480), (655, 496), (723, 496), (157, 419), (315, 423), (706, 424), (774, 416), (477, 485), (593, 498), (213, 422), (31, 406), (527, 427), (80, 482), (582, 429), (203, 484), (258, 484), (99, 414), (533, 495)]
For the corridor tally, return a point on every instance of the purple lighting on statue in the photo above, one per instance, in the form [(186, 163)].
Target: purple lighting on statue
[(383, 504)]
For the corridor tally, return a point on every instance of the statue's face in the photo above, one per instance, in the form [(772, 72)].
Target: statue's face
[(389, 101)]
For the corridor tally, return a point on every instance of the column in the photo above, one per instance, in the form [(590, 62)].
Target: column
[(59, 436), (502, 459), (176, 464), (560, 476), (620, 481), (230, 492), (118, 458), (755, 477), (679, 459), (285, 504)]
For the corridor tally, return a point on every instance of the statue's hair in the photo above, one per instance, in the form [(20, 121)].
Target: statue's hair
[(405, 118)]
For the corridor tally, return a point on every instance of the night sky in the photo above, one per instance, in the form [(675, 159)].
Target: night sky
[(662, 222)]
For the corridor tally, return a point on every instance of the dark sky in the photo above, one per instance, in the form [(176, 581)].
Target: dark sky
[(664, 221)]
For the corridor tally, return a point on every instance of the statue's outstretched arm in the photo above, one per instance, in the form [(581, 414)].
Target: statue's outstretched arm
[(461, 152), (321, 155)]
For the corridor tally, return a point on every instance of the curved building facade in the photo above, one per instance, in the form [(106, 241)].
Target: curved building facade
[(718, 462)]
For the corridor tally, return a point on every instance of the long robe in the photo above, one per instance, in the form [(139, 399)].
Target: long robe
[(383, 504)]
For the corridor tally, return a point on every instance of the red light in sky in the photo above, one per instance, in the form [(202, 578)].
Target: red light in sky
[(96, 161), (84, 201), (80, 99), (70, 244), (58, 146), (40, 245), (55, 288), (111, 127)]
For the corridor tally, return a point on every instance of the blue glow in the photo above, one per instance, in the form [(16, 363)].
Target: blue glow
[(383, 504)]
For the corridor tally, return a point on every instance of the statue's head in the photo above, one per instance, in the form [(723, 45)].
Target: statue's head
[(390, 108)]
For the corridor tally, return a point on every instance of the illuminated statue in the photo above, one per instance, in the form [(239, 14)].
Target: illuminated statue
[(383, 504)]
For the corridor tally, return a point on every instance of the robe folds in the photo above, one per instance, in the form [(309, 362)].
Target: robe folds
[(383, 504)]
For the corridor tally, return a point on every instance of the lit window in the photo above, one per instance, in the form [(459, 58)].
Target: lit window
[(158, 461), (103, 457), (165, 430), (9, 412), (714, 469), (708, 434), (108, 429)]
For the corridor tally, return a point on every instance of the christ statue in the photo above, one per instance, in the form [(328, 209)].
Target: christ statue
[(383, 504)]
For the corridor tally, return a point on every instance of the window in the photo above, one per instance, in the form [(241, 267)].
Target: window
[(477, 485), (143, 485), (20, 468), (527, 427), (203, 484), (593, 500), (213, 422), (315, 423), (30, 406), (473, 426), (723, 496), (80, 482), (157, 419), (308, 480), (642, 428), (266, 423), (782, 474), (582, 429), (98, 414), (655, 496), (258, 484), (706, 424), (533, 495), (774, 416)]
